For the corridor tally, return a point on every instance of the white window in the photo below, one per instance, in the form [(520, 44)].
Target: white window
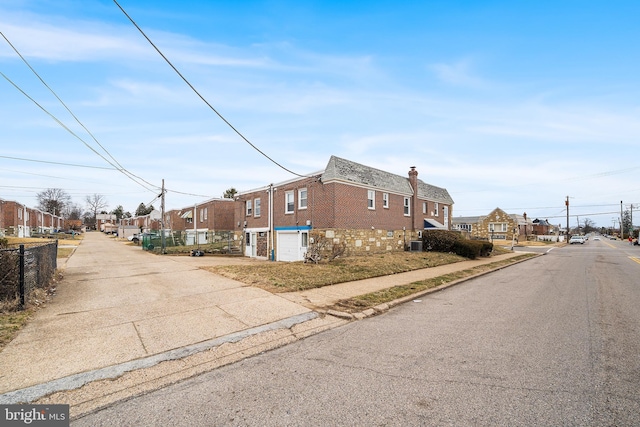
[(424, 208), (206, 213), (435, 209), (305, 239), (249, 207), (256, 207), (498, 227), (288, 202), (407, 206), (19, 213), (385, 200), (201, 215), (371, 199), (302, 198)]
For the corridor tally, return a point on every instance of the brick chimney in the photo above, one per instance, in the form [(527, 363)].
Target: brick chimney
[(413, 179)]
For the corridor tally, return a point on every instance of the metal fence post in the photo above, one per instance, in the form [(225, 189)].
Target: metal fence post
[(21, 280)]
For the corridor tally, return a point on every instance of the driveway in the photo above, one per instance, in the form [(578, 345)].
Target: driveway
[(118, 303)]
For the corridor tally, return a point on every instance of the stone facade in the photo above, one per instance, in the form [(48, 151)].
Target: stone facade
[(364, 241), (498, 227)]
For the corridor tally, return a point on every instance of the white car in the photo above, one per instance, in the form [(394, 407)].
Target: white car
[(576, 239)]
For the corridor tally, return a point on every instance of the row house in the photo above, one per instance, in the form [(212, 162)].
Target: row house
[(14, 219), (145, 223), (363, 208), (497, 226), (19, 220), (200, 220), (106, 222)]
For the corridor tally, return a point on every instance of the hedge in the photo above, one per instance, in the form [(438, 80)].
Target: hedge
[(451, 241)]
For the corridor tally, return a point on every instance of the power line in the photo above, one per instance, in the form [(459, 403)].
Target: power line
[(57, 163), (70, 131), (202, 97), (120, 168)]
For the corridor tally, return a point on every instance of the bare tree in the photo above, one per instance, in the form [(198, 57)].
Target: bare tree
[(73, 211), (589, 226), (95, 203), (53, 200)]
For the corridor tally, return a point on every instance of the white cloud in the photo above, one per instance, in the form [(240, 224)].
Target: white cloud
[(459, 73)]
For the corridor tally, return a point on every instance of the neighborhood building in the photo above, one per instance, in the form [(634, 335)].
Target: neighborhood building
[(497, 226), (349, 204), (19, 220), (200, 221)]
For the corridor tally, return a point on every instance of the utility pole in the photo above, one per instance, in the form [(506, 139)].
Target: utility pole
[(621, 223), (162, 238), (567, 205), (631, 225)]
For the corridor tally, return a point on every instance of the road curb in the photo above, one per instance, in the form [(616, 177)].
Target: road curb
[(72, 382), (382, 308)]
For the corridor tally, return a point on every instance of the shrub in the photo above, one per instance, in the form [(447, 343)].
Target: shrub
[(439, 240), (487, 248), (467, 248)]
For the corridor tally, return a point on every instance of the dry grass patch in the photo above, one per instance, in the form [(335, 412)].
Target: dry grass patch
[(11, 323), (298, 276), (373, 299), (12, 319)]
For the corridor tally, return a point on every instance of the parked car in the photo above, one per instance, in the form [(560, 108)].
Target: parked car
[(135, 238), (576, 239)]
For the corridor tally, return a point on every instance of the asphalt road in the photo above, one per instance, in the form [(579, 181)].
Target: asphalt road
[(552, 341)]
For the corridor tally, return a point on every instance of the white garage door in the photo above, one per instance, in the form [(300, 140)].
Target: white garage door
[(288, 249)]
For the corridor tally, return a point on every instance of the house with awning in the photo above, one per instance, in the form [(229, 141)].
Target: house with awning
[(361, 208)]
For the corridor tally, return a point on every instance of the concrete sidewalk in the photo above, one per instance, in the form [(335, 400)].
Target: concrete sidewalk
[(123, 313), (326, 296), (118, 303)]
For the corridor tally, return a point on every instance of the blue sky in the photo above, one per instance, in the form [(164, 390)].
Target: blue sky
[(506, 104)]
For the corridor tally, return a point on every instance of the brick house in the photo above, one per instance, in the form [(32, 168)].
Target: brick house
[(19, 220), (198, 220), (14, 219), (498, 226), (363, 208), (543, 227)]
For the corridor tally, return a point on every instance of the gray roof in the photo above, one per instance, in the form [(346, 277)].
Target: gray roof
[(345, 170), (466, 219), (339, 169), (431, 192)]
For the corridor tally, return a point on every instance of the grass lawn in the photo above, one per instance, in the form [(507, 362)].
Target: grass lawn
[(297, 276), (63, 252), (11, 323), (363, 302)]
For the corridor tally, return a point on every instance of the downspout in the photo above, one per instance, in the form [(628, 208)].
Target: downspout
[(270, 216), (195, 227)]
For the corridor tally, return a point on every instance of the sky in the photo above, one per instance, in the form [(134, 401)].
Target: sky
[(516, 105)]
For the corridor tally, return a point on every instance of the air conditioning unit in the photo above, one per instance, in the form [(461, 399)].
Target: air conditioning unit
[(415, 246)]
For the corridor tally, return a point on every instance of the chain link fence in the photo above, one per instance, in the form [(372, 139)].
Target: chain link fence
[(24, 269), (211, 242)]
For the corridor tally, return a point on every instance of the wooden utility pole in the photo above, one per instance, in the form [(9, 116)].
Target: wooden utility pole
[(163, 244), (567, 205)]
